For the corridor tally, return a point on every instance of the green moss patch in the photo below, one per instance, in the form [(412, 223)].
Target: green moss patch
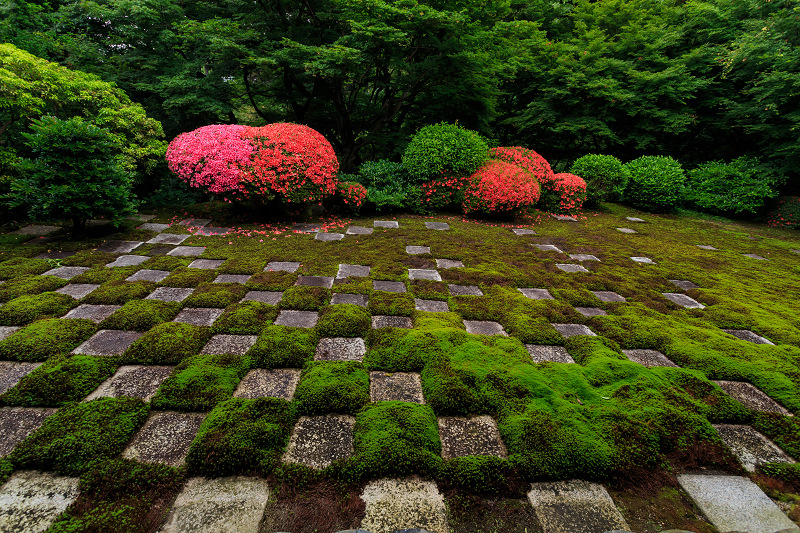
[(429, 290), (26, 309), (305, 298), (20, 266), (100, 275), (219, 295), (272, 281), (25, 285), (165, 262), (325, 387), (391, 303), (188, 277), (46, 338), (120, 292), (245, 318), (242, 264), (284, 347), (167, 344), (141, 315), (344, 320)]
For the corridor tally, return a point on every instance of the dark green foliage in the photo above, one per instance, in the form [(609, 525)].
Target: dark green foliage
[(477, 473), (742, 186), (429, 290), (305, 298), (188, 277), (245, 318), (101, 274), (326, 387), (167, 344), (120, 292), (655, 183), (533, 330), (786, 472), (80, 434), (200, 382), (391, 303), (284, 347), (387, 184), (344, 320), (272, 281), (21, 266), (141, 315), (46, 338), (26, 309), (6, 468), (444, 149), (242, 437), (219, 295), (605, 176), (29, 285)]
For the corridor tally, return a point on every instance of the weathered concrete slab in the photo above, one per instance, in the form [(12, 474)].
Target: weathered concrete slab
[(170, 294), (36, 229), (187, 251), (340, 349), (755, 256), (571, 330), (751, 447), (164, 438), (387, 224), (634, 219), (424, 273), (329, 237), (462, 437), (431, 306), (169, 238), (195, 222), (108, 342), (55, 255), (17, 423), (207, 231), (119, 247), (583, 257), (566, 267), (706, 247), (229, 344), (133, 381), (383, 321), (307, 228), (7, 331), (564, 218), (751, 397), (389, 286), (232, 278), (152, 226), (543, 353), (397, 505), (683, 300), (684, 284), (626, 230), (441, 226), (648, 358), (484, 327), (274, 383), (12, 371), (315, 281), (126, 261), (575, 506), (537, 294), (66, 272), (643, 260), (523, 231), (418, 250), (548, 248), (199, 316), (148, 275), (464, 290), (591, 311), (267, 297), (449, 263), (397, 386), (30, 501), (733, 503), (352, 271), (608, 296), (747, 335), (206, 264), (317, 441), (359, 230), (78, 290), (360, 300), (95, 313), (284, 266), (297, 319), (220, 504)]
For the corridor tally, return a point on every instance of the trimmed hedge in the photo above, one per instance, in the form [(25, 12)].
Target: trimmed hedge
[(444, 149), (655, 183)]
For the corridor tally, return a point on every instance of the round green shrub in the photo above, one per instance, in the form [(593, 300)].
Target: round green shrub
[(605, 176), (444, 149), (739, 187), (656, 183)]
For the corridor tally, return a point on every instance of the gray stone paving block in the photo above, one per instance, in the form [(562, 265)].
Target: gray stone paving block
[(206, 264), (583, 257), (16, 423), (750, 447), (95, 313), (388, 224), (383, 321), (148, 275), (6, 331), (273, 383), (359, 230), (340, 349), (634, 219), (572, 268), (195, 222), (206, 231), (360, 300), (352, 271), (267, 297), (683, 300), (542, 354), (464, 290), (684, 284), (152, 226), (297, 319), (747, 335), (229, 344), (317, 441), (30, 501), (626, 230), (329, 237), (187, 251), (591, 311), (575, 506), (424, 273), (706, 247), (232, 278), (431, 306), (284, 266), (418, 250), (66, 272), (170, 294), (796, 251), (565, 218), (199, 316), (395, 504), (140, 217), (441, 226), (571, 330), (648, 358), (169, 238), (389, 286), (523, 231), (108, 342), (484, 327), (78, 290), (127, 260), (164, 438), (643, 260), (548, 248), (449, 263), (119, 247), (315, 281), (733, 503), (608, 296), (11, 372), (397, 386), (55, 255), (462, 437), (133, 381), (221, 504), (36, 229), (307, 228), (755, 256), (751, 397), (537, 294)]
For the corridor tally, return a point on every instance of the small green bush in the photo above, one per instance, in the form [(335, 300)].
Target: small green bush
[(739, 187), (305, 298), (387, 184), (219, 295), (326, 387), (605, 176), (188, 277), (21, 266), (46, 338), (245, 318), (344, 320), (26, 309), (391, 303), (29, 285), (444, 150), (141, 315), (655, 183), (120, 292), (284, 347), (167, 344)]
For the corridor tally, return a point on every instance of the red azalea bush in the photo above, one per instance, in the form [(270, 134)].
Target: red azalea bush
[(351, 193), (498, 186), (444, 192), (786, 214), (566, 194), (527, 160)]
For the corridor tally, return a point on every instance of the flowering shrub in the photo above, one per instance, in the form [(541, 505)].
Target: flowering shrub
[(527, 160), (786, 214), (500, 186), (566, 194), (443, 192), (352, 194)]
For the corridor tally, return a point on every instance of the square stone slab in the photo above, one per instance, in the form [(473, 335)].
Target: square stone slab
[(36, 229), (608, 296), (315, 281), (317, 441), (55, 255), (542, 354), (360, 300), (389, 286), (199, 316), (168, 238), (127, 260), (572, 268), (388, 224), (397, 386), (148, 275), (152, 226), (583, 257), (267, 297), (752, 397), (108, 342), (750, 447), (95, 313), (441, 226), (523, 231), (140, 217), (359, 230), (306, 228), (648, 358), (634, 219), (548, 248), (755, 256), (418, 250), (11, 372), (78, 290), (462, 437), (396, 504), (706, 247), (383, 321), (283, 266), (133, 381), (30, 501), (6, 331), (643, 260), (230, 344), (733, 503), (66, 272), (484, 327), (626, 230), (164, 438), (565, 218), (16, 423), (328, 237), (684, 284), (195, 222), (747, 335), (449, 263), (683, 300), (352, 271), (206, 264), (234, 503), (423, 273), (263, 383), (297, 319), (206, 231), (119, 247), (170, 294), (232, 278), (340, 349), (591, 311), (431, 306), (537, 294), (187, 251), (575, 506), (571, 330), (464, 290)]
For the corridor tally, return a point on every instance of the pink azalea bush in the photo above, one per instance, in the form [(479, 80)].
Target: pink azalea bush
[(565, 194), (526, 159), (498, 186)]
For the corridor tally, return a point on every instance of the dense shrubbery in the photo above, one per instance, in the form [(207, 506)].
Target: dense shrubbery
[(442, 150), (564, 194), (787, 213), (499, 186), (388, 184), (605, 176), (656, 183), (526, 159), (739, 187)]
